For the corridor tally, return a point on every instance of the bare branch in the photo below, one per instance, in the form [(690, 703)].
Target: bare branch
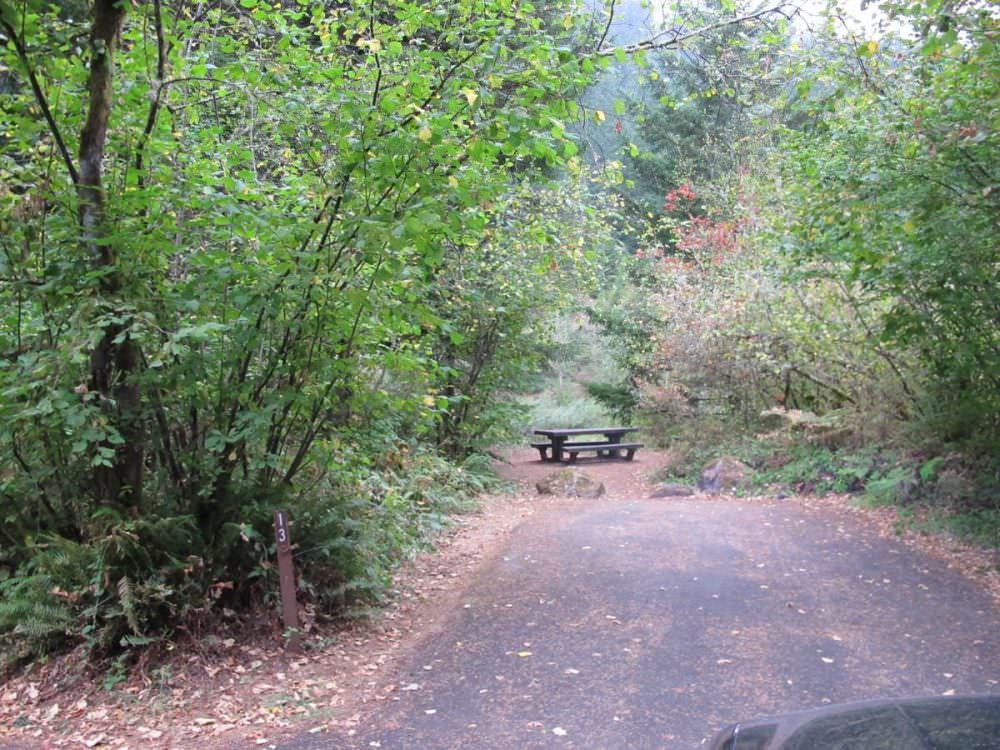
[(161, 75), (607, 28), (675, 37)]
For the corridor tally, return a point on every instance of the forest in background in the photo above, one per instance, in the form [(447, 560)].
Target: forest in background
[(312, 256), (812, 215)]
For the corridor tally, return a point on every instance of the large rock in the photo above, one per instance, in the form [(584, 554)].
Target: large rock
[(672, 490), (570, 482), (724, 475)]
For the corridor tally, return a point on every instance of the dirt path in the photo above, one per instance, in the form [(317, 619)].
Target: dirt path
[(627, 622)]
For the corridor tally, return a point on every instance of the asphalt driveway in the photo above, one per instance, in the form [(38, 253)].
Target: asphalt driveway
[(650, 623)]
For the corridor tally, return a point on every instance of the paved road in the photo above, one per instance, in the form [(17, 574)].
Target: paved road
[(648, 624)]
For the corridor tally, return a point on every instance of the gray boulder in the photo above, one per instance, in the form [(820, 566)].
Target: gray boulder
[(570, 482), (725, 475)]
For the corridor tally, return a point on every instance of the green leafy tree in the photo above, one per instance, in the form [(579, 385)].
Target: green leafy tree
[(686, 117), (891, 190), (223, 226), (686, 107), (499, 296)]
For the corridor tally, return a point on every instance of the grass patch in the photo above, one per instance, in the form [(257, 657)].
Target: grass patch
[(579, 355), (979, 526)]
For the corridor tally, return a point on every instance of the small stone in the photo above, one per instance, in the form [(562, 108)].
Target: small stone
[(672, 490)]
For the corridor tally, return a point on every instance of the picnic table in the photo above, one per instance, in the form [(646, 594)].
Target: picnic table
[(560, 445)]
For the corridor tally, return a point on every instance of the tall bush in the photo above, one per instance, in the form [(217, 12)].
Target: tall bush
[(890, 189), (223, 230)]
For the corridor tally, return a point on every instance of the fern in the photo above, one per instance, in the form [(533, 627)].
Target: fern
[(31, 611), (126, 597)]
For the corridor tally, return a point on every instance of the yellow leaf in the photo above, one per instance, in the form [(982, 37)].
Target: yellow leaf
[(452, 182), (872, 47), (470, 96), (429, 401), (909, 226), (424, 134), (599, 115), (522, 654)]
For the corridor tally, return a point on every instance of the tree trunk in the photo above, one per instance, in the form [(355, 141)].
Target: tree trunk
[(116, 360)]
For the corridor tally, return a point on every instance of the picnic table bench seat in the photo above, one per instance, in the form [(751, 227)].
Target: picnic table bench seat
[(544, 448), (602, 449)]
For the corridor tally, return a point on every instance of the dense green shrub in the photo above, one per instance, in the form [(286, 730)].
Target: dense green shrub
[(295, 239), (619, 400), (137, 581), (887, 191)]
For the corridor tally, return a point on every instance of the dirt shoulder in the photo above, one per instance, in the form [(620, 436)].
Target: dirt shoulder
[(237, 692)]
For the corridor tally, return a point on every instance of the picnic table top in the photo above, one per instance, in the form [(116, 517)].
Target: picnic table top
[(570, 431)]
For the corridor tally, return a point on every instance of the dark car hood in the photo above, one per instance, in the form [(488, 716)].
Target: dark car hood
[(947, 723)]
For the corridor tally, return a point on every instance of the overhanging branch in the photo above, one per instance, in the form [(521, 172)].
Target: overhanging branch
[(675, 37), (607, 27)]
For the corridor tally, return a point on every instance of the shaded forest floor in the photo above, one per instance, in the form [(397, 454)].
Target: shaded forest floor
[(239, 689)]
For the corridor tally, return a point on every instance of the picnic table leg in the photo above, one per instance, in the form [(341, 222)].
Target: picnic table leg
[(613, 452), (557, 444)]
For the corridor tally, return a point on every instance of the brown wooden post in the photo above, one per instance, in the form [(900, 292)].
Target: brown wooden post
[(286, 578)]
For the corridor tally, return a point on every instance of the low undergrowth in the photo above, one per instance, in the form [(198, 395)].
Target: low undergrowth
[(143, 582), (940, 491)]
